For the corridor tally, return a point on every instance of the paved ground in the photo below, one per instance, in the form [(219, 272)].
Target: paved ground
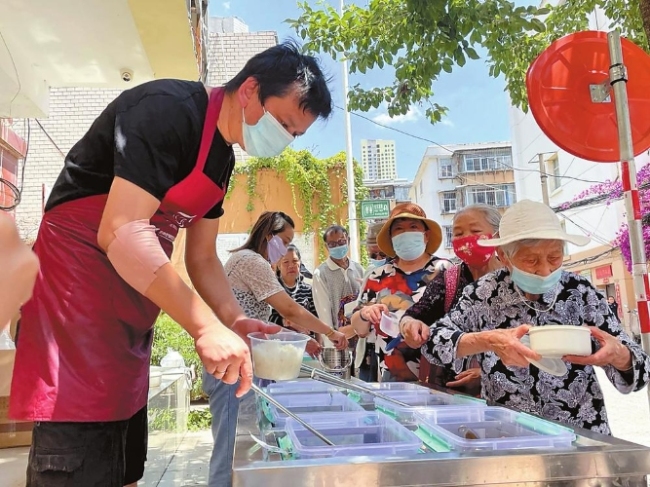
[(184, 461)]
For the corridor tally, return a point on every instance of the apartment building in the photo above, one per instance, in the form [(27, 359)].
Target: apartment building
[(378, 159)]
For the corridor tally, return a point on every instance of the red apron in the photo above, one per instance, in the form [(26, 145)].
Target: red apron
[(85, 336)]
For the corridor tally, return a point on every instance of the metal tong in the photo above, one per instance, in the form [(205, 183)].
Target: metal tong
[(318, 374), (270, 399)]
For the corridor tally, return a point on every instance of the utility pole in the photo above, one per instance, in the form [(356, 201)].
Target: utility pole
[(544, 177), (352, 203)]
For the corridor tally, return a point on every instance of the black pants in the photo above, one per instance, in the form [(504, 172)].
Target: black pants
[(368, 368), (108, 454)]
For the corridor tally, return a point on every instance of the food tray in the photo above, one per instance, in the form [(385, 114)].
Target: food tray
[(353, 434), (317, 402), (418, 402), (299, 386), (386, 388), (492, 428)]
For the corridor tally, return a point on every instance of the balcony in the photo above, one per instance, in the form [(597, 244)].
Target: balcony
[(112, 44)]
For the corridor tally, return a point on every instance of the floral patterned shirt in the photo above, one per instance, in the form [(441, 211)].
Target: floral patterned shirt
[(398, 290), (493, 302)]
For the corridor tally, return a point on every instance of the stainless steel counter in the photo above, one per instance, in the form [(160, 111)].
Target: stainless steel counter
[(595, 461)]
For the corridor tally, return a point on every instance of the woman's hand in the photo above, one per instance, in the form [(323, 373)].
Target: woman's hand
[(313, 348), (465, 377), (611, 352), (507, 345), (338, 339), (415, 332), (372, 313)]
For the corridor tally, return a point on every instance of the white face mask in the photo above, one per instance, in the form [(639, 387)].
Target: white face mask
[(267, 138)]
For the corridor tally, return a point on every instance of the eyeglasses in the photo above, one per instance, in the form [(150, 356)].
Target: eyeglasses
[(377, 255), (337, 243)]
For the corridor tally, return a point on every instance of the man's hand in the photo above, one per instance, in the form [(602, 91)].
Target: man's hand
[(465, 377), (339, 340), (507, 345), (19, 270), (611, 352), (415, 332), (225, 353)]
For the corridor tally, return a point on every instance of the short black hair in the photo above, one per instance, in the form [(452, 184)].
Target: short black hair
[(334, 228), (279, 68)]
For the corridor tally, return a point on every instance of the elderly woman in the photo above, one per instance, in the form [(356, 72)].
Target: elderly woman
[(495, 312), (470, 225), (410, 239), (293, 282)]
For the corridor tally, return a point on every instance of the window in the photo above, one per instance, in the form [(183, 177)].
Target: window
[(499, 195), (448, 234), (421, 188), (477, 163), (449, 202), (445, 168), (554, 175)]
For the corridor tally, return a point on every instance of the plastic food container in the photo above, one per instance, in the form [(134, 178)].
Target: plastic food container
[(277, 356), (299, 386), (555, 341), (492, 428), (419, 402), (306, 404), (353, 434), (389, 324), (387, 388)]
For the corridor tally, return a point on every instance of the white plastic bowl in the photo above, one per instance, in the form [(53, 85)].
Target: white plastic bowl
[(559, 340), (277, 356)]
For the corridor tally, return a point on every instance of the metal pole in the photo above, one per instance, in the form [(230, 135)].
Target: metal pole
[(544, 178), (352, 203), (618, 78)]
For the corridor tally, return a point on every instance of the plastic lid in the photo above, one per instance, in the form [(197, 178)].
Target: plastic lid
[(553, 366)]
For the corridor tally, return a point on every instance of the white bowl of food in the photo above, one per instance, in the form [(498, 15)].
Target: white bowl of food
[(556, 341), (277, 356)]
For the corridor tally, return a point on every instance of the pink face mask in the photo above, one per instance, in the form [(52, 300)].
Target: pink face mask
[(469, 251)]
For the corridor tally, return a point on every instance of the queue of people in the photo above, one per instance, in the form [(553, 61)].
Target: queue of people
[(159, 158)]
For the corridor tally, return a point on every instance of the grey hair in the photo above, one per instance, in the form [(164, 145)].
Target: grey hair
[(511, 249), (490, 213)]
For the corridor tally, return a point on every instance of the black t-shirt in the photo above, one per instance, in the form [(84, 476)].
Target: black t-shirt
[(149, 135)]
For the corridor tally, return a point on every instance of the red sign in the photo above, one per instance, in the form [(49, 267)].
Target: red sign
[(603, 272)]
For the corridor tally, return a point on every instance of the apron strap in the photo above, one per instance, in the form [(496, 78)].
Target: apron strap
[(209, 126)]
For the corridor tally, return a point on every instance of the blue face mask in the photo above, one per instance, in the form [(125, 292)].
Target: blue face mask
[(377, 263), (533, 284), (409, 245), (338, 252), (267, 138)]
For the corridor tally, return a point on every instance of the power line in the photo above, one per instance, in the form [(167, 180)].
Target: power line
[(13, 62), (398, 130), (50, 138), (514, 168)]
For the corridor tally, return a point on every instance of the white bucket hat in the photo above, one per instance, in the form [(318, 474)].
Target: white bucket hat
[(528, 219)]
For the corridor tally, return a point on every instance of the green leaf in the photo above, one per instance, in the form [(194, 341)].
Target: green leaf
[(471, 53)]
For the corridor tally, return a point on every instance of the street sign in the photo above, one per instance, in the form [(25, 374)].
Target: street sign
[(375, 209)]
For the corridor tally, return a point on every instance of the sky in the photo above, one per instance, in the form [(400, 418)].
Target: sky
[(478, 105)]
